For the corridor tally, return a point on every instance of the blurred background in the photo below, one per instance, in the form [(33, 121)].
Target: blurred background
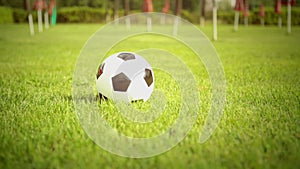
[(101, 11)]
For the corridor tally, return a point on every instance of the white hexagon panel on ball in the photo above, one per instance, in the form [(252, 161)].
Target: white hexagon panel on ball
[(125, 76)]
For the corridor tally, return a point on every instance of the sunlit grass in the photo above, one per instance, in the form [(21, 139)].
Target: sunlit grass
[(260, 127)]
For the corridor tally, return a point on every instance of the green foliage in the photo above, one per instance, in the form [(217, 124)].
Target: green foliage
[(81, 14), (20, 15), (189, 5), (190, 16), (225, 16), (15, 15), (224, 5), (98, 15), (98, 3), (12, 3), (6, 15), (86, 3), (271, 18)]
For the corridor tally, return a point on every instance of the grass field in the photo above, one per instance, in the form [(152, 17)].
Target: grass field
[(260, 127)]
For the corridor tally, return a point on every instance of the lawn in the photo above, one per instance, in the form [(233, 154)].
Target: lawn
[(260, 127)]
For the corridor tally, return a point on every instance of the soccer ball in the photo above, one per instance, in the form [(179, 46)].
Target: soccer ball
[(125, 76)]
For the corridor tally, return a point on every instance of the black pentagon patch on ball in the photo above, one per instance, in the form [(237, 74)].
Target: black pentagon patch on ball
[(120, 82), (148, 77), (126, 56)]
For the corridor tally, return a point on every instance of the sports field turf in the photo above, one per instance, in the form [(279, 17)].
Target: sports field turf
[(260, 127)]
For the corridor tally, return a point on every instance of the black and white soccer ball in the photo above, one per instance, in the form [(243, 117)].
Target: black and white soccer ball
[(125, 76)]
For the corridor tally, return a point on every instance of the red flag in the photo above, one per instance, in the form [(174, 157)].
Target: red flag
[(262, 10), (278, 7), (147, 6), (246, 9), (39, 5), (239, 5), (166, 7)]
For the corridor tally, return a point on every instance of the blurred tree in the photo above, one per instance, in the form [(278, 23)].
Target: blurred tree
[(256, 4), (12, 3), (126, 6), (178, 7), (202, 12), (136, 4), (66, 3), (190, 5), (116, 8), (166, 6), (225, 5), (98, 3), (83, 2), (27, 5), (147, 6), (107, 10), (246, 12), (215, 21)]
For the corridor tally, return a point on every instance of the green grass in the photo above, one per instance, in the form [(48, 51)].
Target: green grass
[(260, 127)]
